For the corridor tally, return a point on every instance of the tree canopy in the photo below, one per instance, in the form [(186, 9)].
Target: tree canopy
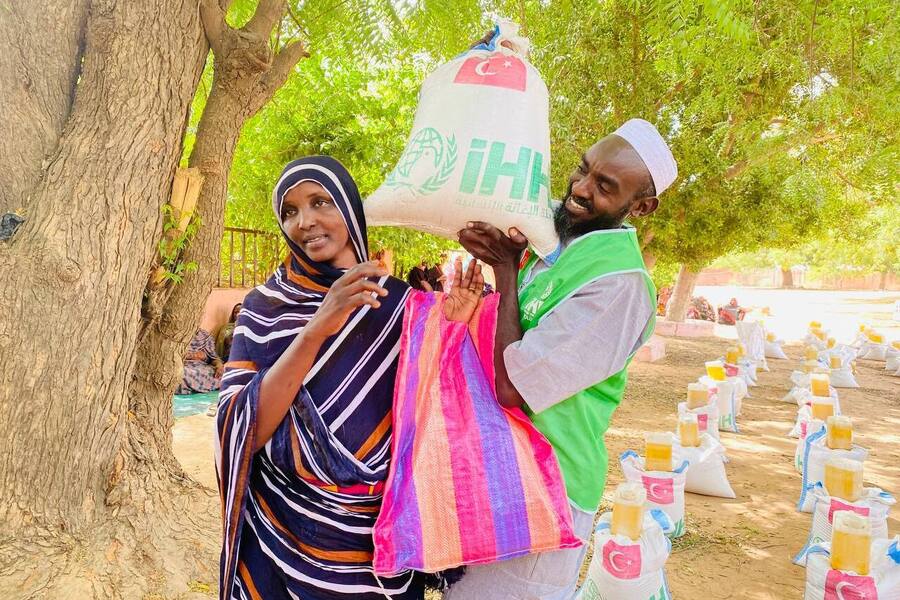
[(780, 113)]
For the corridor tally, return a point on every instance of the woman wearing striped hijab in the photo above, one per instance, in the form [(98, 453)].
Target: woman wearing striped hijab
[(304, 415)]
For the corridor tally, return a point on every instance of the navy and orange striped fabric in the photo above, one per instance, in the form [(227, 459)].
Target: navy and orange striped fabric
[(298, 514)]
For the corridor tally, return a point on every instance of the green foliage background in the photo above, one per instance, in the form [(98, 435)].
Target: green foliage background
[(781, 114)]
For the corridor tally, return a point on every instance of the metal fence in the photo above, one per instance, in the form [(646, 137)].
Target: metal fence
[(248, 257)]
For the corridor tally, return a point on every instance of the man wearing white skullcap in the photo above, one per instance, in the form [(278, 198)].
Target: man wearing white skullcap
[(567, 329)]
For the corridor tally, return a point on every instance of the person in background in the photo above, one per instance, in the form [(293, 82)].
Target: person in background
[(226, 333), (435, 275), (448, 268), (417, 278), (202, 366)]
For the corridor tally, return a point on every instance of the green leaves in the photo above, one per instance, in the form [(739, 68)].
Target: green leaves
[(781, 113)]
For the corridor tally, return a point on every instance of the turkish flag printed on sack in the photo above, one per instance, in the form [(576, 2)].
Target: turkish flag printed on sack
[(622, 562), (498, 70), (659, 490), (843, 586)]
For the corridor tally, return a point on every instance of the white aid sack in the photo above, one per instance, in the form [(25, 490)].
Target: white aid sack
[(727, 401), (843, 378), (792, 397), (745, 371), (860, 339), (479, 149), (753, 335), (748, 370), (774, 350), (805, 426), (872, 351), (815, 455), (875, 505), (892, 360), (815, 342), (882, 582), (800, 379), (625, 569), (665, 490), (804, 397), (706, 471), (707, 417)]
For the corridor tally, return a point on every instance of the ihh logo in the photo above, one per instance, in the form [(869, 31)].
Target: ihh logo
[(486, 164)]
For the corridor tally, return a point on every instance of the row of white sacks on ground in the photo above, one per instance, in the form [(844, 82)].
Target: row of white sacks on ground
[(862, 347), (812, 454), (626, 569), (700, 470)]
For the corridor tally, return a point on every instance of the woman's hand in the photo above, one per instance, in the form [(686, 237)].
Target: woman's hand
[(347, 294), (463, 298)]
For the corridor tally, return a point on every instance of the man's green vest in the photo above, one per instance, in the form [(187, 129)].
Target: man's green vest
[(576, 426)]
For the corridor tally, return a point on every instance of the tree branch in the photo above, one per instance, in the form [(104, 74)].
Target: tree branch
[(281, 67), (813, 138), (212, 14), (268, 12)]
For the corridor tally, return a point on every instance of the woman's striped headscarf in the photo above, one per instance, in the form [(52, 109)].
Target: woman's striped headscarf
[(311, 495)]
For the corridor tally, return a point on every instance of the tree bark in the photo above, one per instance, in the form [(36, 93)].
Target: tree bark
[(73, 277), (246, 75), (787, 278), (681, 294), (40, 59), (92, 493)]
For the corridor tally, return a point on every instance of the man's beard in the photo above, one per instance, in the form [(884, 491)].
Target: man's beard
[(568, 230)]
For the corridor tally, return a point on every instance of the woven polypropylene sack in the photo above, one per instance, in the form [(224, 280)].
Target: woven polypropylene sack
[(882, 582), (626, 569), (479, 149), (665, 489), (470, 481), (874, 505)]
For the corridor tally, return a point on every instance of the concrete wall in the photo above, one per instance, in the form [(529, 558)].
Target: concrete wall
[(771, 277)]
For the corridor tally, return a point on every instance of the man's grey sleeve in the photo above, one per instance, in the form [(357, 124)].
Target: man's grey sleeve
[(583, 341)]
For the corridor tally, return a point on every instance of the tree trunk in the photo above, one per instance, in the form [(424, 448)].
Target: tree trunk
[(246, 75), (40, 59), (73, 276), (882, 280), (681, 294), (649, 259), (787, 278)]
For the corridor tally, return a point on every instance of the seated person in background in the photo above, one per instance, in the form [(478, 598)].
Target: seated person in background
[(701, 309), (434, 275), (226, 333), (202, 366), (662, 300), (731, 313), (418, 278)]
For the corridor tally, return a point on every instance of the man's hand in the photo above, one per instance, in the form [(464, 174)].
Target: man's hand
[(463, 298), (490, 245)]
